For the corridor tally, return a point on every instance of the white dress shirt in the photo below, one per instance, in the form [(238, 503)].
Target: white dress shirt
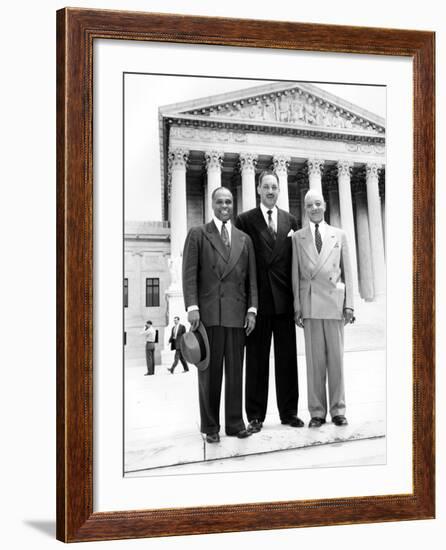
[(150, 334)]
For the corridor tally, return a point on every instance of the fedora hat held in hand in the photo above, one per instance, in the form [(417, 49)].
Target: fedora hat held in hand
[(195, 347)]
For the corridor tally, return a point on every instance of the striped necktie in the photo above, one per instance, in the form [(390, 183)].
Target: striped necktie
[(317, 238), (271, 227), (225, 235)]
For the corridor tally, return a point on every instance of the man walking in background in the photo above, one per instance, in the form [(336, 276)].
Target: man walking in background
[(270, 230), (323, 304), (175, 339)]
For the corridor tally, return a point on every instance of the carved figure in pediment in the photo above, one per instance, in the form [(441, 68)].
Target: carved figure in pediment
[(337, 121), (235, 110), (297, 110), (284, 109), (326, 116), (310, 111), (255, 111), (319, 116), (270, 111), (245, 112)]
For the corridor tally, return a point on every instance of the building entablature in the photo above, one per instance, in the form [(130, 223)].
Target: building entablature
[(200, 140)]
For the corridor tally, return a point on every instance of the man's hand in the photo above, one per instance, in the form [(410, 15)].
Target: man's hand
[(250, 322), (348, 316), (194, 319), (298, 319)]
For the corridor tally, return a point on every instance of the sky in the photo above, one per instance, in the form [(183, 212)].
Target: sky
[(144, 94)]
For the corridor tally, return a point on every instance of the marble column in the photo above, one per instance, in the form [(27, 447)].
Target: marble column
[(178, 206), (214, 161), (178, 230), (333, 197), (364, 253), (376, 229), (303, 191), (280, 167), (315, 174), (382, 194), (248, 163), (346, 210)]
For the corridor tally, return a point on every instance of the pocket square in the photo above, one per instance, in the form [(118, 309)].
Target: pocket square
[(291, 233)]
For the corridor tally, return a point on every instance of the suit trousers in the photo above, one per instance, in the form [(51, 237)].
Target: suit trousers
[(258, 347), (179, 357), (150, 357), (226, 347), (324, 350)]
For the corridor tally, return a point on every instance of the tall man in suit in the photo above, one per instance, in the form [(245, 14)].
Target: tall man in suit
[(323, 304), (175, 339), (270, 229), (220, 290)]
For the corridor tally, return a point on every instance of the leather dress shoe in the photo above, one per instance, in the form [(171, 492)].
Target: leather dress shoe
[(241, 434), (316, 422), (339, 420), (255, 426), (212, 438), (293, 421), (170, 370)]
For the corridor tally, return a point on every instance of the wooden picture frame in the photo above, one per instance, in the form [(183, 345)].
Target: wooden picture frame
[(76, 31)]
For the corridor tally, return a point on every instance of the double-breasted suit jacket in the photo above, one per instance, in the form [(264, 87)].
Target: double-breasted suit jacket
[(273, 259), (275, 316), (222, 283), (322, 283), (323, 287)]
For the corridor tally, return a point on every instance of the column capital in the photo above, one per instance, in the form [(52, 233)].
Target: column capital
[(178, 157), (281, 163), (344, 167), (248, 162), (372, 169), (315, 167), (213, 160)]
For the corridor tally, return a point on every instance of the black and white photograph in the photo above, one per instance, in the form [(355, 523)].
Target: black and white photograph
[(254, 284), (189, 362)]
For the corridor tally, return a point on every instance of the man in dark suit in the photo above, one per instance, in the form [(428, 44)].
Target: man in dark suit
[(220, 290), (175, 339), (270, 230)]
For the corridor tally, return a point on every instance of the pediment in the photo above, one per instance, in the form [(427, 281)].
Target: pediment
[(289, 104)]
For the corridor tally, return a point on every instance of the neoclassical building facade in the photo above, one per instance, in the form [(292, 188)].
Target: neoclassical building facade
[(309, 137)]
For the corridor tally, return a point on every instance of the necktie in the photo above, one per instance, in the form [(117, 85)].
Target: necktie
[(271, 227), (225, 235), (317, 238)]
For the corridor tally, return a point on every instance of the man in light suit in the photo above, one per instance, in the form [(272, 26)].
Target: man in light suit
[(270, 229), (175, 339), (220, 290), (323, 304)]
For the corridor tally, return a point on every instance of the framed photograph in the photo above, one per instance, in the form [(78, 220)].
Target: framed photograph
[(159, 118)]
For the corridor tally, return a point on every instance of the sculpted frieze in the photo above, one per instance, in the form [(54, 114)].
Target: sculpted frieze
[(293, 106)]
